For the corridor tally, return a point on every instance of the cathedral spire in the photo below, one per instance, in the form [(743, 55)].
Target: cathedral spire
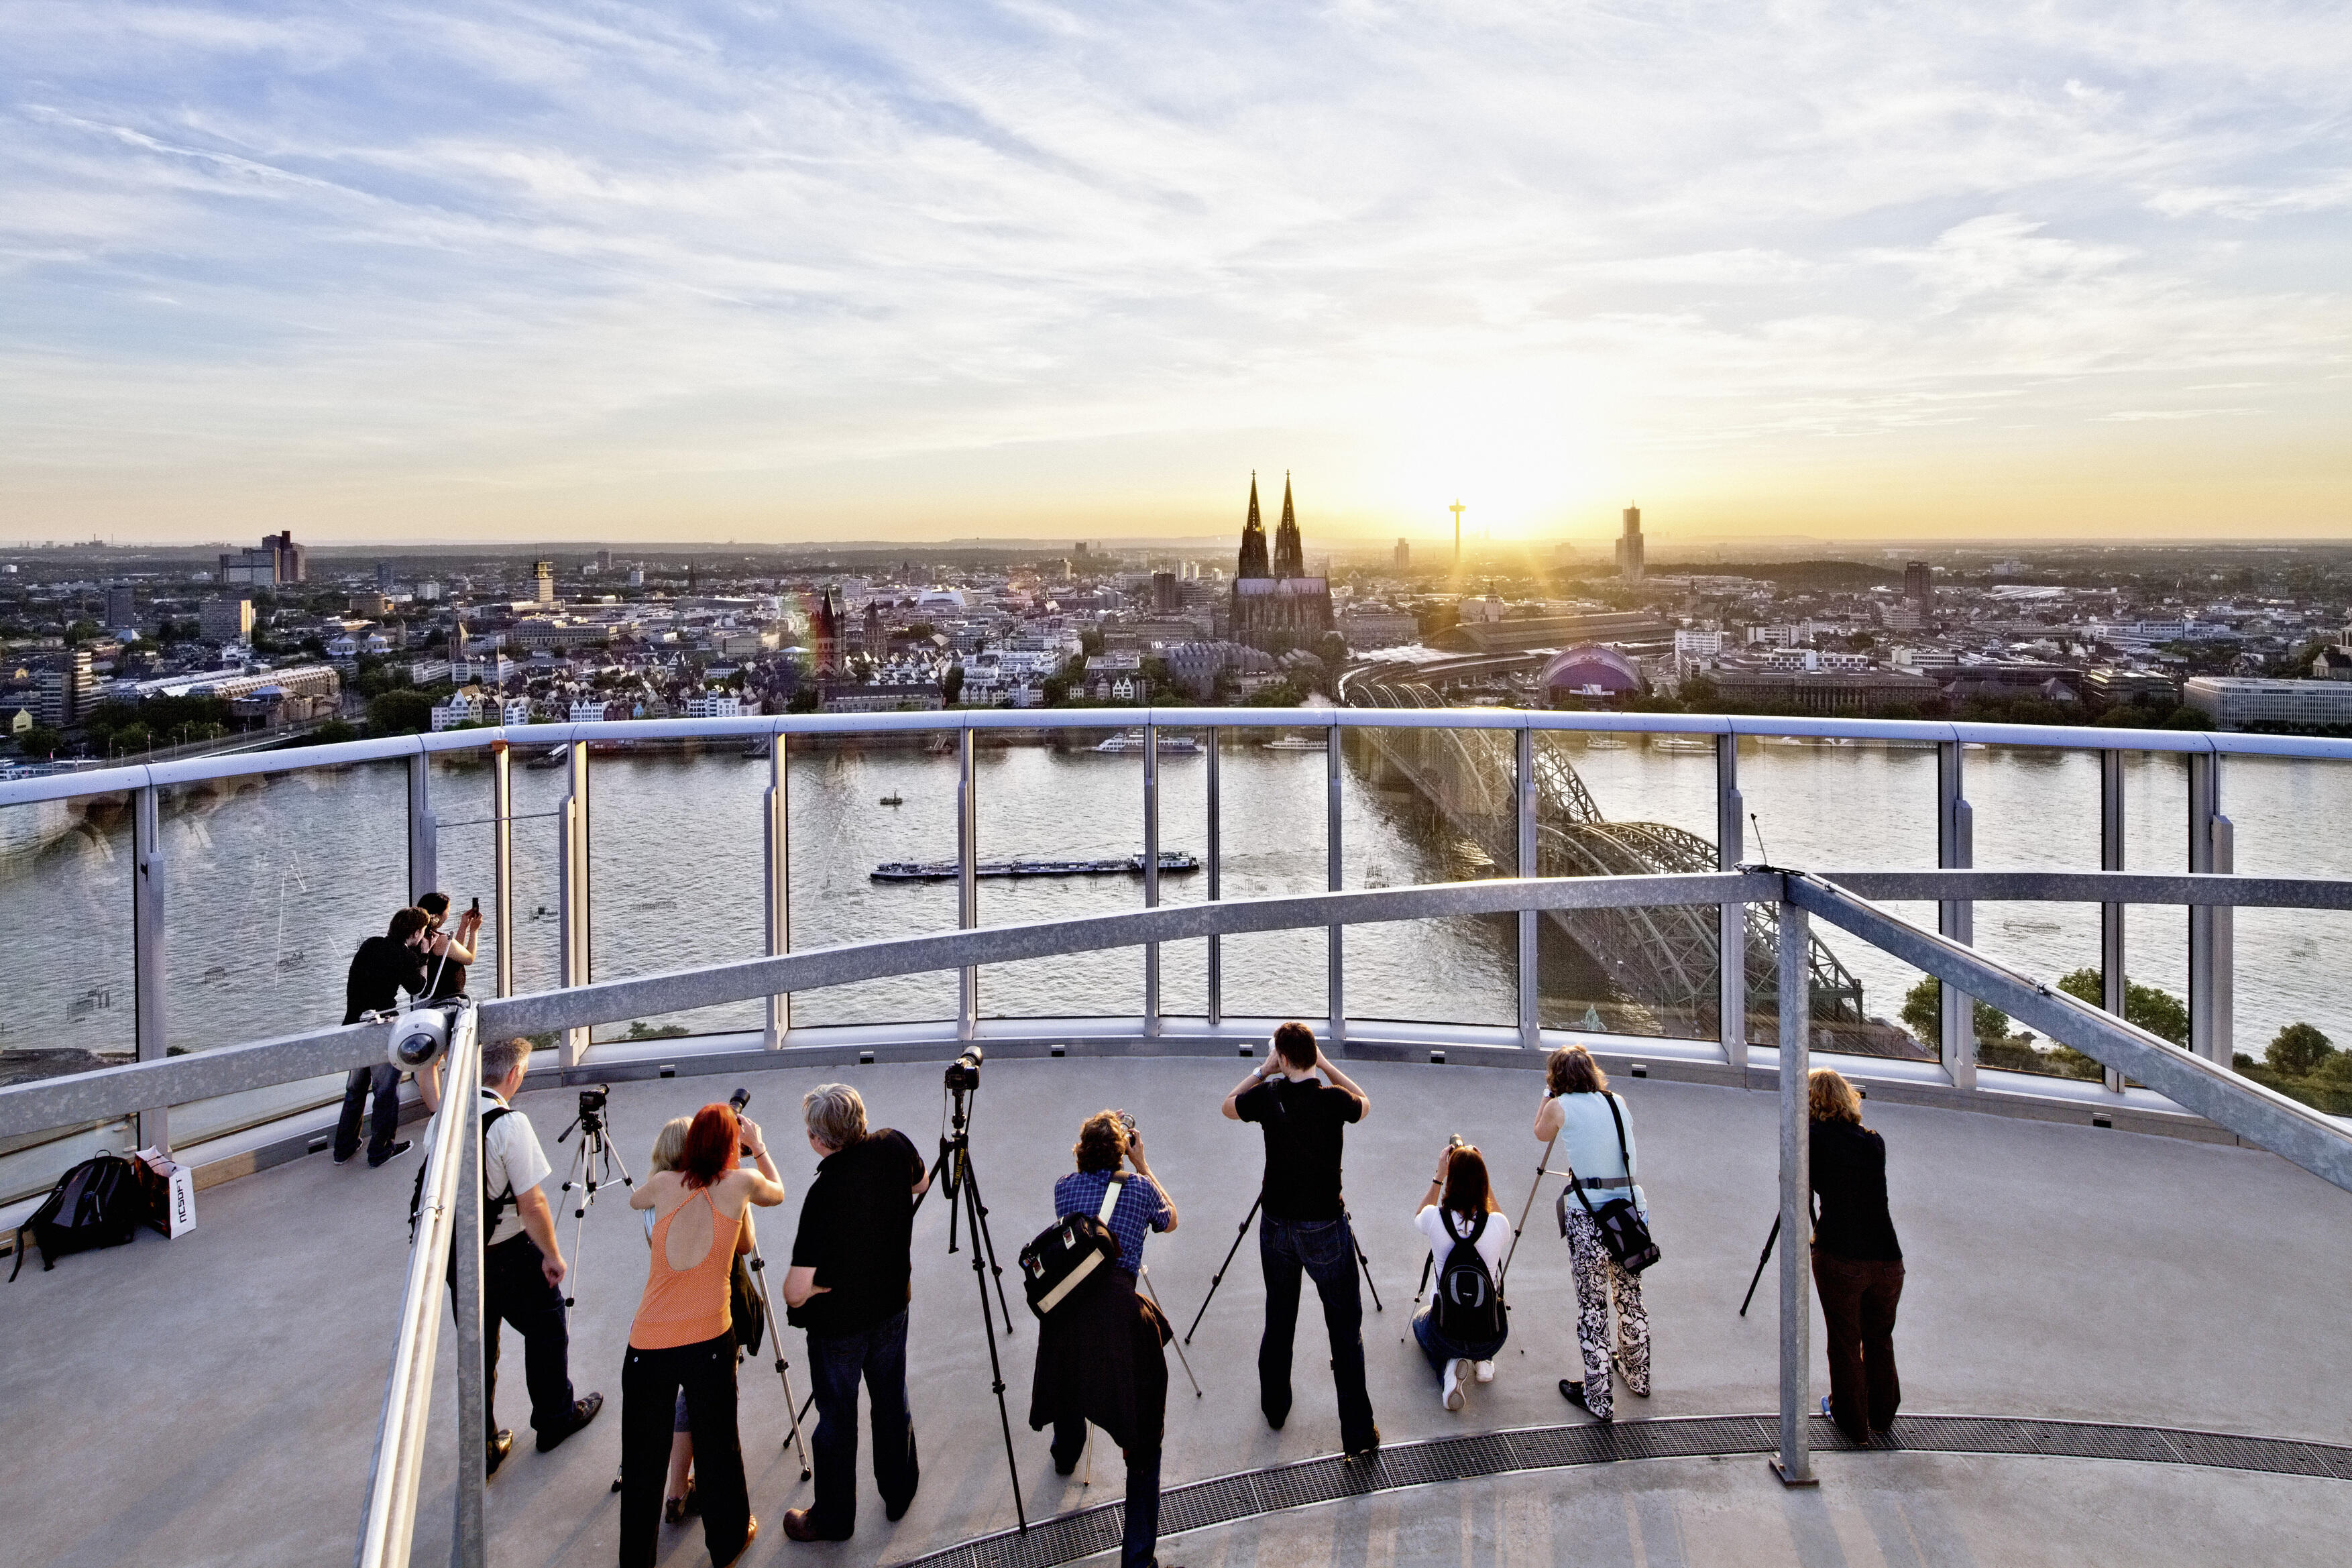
[(1289, 553), (1253, 558)]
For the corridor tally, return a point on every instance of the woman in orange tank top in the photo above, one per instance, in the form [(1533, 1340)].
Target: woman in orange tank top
[(683, 1340)]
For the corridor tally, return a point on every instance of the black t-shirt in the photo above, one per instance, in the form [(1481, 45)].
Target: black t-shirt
[(380, 972), (1305, 1126), (1850, 1173), (857, 1223), (446, 976)]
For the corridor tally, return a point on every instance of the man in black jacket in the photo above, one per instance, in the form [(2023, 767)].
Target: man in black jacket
[(384, 967), (1099, 1358)]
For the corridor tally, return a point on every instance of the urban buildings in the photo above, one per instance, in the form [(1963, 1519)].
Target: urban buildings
[(2242, 702), (227, 619), (278, 559), (1275, 601)]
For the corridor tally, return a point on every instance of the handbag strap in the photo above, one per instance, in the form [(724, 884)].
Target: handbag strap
[(1624, 1156)]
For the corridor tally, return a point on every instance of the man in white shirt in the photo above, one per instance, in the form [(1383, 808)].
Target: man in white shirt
[(522, 1264)]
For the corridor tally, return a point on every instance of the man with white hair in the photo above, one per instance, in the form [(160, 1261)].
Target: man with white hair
[(848, 1287)]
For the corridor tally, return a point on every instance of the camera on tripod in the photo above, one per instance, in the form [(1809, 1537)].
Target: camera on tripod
[(591, 1104), (963, 1073)]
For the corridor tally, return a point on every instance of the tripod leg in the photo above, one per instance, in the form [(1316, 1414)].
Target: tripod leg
[(1766, 1256), (1366, 1264), (1525, 1209), (1182, 1359), (987, 1241), (995, 1367), (1219, 1277), (783, 1367)]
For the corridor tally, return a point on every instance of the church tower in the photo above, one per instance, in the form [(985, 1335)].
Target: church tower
[(1253, 561), (825, 630), (1289, 554)]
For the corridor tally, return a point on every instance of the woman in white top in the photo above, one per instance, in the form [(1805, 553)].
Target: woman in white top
[(1463, 1323), (1577, 1111)]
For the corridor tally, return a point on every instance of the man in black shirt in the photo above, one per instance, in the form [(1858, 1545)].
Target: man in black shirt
[(848, 1287), (1305, 1223), (384, 967)]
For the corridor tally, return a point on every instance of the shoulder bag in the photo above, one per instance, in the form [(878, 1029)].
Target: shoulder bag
[(1624, 1230)]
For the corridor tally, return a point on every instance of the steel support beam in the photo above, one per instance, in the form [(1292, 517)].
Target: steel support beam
[(1731, 849), (2112, 825), (1795, 1463), (776, 840), (424, 829), (572, 889), (502, 854), (1336, 979), (1150, 876), (1216, 867), (967, 880), (151, 1022), (2211, 931), (467, 1539), (1956, 918), (1531, 972)]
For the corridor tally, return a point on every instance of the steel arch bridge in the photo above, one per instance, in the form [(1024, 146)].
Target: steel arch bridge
[(1663, 960)]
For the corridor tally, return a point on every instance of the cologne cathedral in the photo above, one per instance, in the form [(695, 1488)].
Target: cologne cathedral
[(1280, 599)]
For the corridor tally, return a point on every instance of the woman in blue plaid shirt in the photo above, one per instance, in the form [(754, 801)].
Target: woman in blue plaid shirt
[(1143, 1204)]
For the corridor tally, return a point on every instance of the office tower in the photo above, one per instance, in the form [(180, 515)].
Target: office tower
[(226, 619), (1629, 546), (122, 608), (66, 689), (604, 561), (543, 571), (1165, 599), (1403, 555), (1919, 585), (384, 577)]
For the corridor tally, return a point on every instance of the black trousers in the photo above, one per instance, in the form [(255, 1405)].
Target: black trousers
[(1142, 1524), (651, 1382), (515, 1291), (1858, 1301)]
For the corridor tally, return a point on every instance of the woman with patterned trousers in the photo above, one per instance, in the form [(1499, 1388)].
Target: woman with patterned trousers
[(1599, 1148)]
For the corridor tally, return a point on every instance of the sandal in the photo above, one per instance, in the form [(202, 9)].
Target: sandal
[(676, 1509)]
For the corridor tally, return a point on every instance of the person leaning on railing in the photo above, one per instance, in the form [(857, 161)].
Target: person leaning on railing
[(448, 954), (677, 1491), (1857, 1262), (1577, 1113), (1462, 1325), (522, 1267), (380, 969), (682, 1340)]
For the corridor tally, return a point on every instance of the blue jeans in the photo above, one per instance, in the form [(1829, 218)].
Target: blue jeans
[(1441, 1349), (383, 1081), (835, 1363), (1324, 1249)]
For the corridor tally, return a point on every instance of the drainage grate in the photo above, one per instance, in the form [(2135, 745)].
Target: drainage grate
[(1224, 1499)]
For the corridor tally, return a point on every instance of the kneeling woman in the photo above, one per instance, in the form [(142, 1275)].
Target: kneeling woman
[(1462, 1323), (684, 1337)]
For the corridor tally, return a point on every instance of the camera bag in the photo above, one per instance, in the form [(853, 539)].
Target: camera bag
[(1624, 1230), (1059, 1257), (494, 1208), (96, 1203)]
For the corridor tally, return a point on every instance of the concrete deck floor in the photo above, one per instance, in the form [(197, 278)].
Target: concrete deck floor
[(212, 1400)]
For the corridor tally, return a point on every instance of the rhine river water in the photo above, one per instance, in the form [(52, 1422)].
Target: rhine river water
[(272, 881)]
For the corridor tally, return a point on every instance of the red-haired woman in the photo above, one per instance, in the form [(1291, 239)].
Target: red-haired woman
[(684, 1337)]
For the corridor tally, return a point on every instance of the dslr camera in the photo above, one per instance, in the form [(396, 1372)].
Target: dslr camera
[(963, 1073)]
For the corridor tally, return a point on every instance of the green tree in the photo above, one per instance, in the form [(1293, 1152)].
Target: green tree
[(331, 733), (39, 741), (2160, 1013), (399, 711), (2300, 1050), (1923, 1011), (803, 700), (952, 685)]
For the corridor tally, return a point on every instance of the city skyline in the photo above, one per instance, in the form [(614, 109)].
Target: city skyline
[(881, 276)]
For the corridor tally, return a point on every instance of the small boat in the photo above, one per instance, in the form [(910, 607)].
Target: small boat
[(948, 870), (1295, 743), (893, 798), (756, 749), (553, 757), (1602, 740), (1132, 741), (1687, 744)]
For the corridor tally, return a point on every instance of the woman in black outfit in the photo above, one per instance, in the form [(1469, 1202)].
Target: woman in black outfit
[(1857, 1264)]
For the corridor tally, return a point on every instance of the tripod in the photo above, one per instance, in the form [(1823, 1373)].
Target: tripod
[(592, 1164), (759, 1266), (1255, 1203)]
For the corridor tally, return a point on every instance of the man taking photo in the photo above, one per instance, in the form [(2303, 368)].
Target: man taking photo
[(522, 1265), (1304, 1225)]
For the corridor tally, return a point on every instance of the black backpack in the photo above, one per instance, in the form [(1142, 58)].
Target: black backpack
[(96, 1203), (494, 1208), (1060, 1258), (1469, 1306)]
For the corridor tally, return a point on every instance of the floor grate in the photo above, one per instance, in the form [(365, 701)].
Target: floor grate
[(1065, 1537)]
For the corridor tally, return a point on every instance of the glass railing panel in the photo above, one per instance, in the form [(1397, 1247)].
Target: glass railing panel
[(2036, 808), (2292, 996), (66, 924), (1051, 801), (1184, 826), (272, 880), (677, 870), (1275, 838), (1849, 805), (465, 857), (1419, 806), (843, 825), (1627, 804), (2156, 839)]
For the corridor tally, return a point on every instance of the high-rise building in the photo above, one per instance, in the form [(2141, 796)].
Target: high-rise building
[(604, 561), (66, 690), (544, 574), (1403, 554), (121, 608), (1629, 546), (384, 576), (1166, 598), (278, 560), (1277, 600), (1919, 585), (226, 619)]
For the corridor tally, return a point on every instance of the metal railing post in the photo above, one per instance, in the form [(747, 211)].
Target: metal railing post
[(1795, 1463), (1531, 973), (502, 856), (467, 1542), (1731, 944), (967, 880), (2111, 985), (572, 890), (1335, 984), (149, 1020), (1150, 876), (777, 842), (424, 833), (1216, 865), (1956, 918), (2211, 929)]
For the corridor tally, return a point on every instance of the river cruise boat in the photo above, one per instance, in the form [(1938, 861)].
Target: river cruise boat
[(1132, 741), (1171, 861)]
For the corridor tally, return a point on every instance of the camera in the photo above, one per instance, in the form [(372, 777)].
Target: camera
[(592, 1106), (1125, 1121), (963, 1073), (418, 1039), (1454, 1140)]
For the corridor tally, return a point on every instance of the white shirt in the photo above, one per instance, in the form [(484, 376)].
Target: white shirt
[(1493, 1242), (510, 1152)]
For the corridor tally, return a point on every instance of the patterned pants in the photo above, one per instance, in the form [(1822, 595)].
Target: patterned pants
[(1599, 1276)]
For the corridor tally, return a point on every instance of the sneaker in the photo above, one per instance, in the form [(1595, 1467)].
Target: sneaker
[(583, 1411), (1486, 1372), (394, 1153), (1451, 1394), (1825, 1404)]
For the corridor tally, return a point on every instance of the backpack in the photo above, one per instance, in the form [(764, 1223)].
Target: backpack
[(493, 1208), (1060, 1257), (1469, 1306), (96, 1203)]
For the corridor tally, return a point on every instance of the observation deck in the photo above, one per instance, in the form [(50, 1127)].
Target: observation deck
[(2115, 1347)]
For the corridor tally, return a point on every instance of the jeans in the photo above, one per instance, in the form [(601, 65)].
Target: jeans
[(651, 1382), (1443, 1352), (515, 1291), (1326, 1250), (383, 1079), (836, 1362), (1858, 1301), (1142, 1489)]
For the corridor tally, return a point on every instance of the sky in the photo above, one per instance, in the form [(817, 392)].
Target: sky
[(873, 270)]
